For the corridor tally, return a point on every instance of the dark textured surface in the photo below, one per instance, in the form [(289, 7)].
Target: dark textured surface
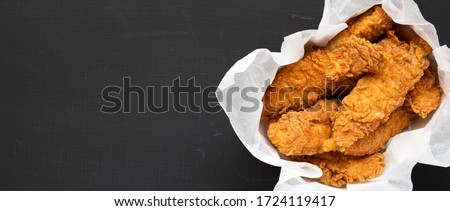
[(57, 56)]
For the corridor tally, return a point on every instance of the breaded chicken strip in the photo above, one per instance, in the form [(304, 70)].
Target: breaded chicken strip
[(378, 94), (291, 89), (308, 132), (370, 25), (302, 84), (309, 140), (339, 169), (376, 140), (303, 132), (424, 98), (426, 95)]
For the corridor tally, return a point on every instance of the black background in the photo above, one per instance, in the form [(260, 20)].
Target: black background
[(57, 56)]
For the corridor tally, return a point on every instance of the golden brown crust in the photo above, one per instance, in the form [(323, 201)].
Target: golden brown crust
[(309, 133), (378, 94), (303, 83), (426, 95), (338, 169), (303, 132), (376, 140), (311, 74), (370, 25)]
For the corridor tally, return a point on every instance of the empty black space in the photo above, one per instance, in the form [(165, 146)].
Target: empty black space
[(56, 56)]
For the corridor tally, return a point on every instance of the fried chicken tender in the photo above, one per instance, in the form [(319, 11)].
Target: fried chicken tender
[(426, 95), (338, 169), (370, 25), (308, 132), (378, 94), (302, 138), (376, 140), (291, 89), (424, 98), (303, 132), (301, 84)]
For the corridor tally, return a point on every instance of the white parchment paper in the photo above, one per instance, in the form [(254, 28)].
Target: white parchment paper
[(427, 141)]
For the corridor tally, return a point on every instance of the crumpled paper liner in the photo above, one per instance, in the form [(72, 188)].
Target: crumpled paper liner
[(426, 141)]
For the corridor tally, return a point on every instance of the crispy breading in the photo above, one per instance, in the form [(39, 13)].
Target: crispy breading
[(370, 25), (376, 140), (303, 83), (290, 89), (308, 132), (378, 94), (303, 132), (338, 169), (426, 95)]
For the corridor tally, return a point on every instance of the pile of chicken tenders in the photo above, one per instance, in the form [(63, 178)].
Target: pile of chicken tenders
[(340, 104)]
